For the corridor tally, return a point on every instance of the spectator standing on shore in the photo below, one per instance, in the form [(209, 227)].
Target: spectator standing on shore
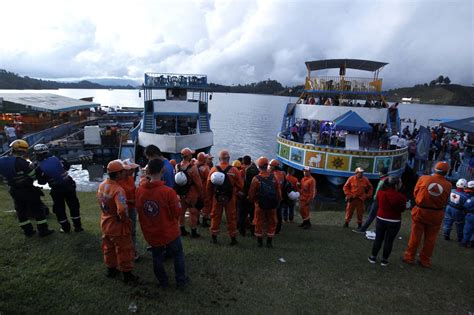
[(153, 152), (357, 189)]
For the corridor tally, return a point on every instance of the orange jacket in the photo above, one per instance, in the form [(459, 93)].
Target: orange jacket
[(308, 188), (196, 187), (294, 181), (158, 211), (128, 184), (234, 177), (432, 192), (358, 188), (255, 186), (114, 220), (280, 176)]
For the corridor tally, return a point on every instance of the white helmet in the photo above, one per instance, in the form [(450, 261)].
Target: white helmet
[(41, 148), (470, 184), (180, 179), (294, 195), (461, 183), (217, 178)]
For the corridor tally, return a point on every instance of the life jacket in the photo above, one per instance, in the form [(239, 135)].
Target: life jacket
[(184, 189), (224, 192), (54, 171), (267, 193), (17, 171), (457, 199)]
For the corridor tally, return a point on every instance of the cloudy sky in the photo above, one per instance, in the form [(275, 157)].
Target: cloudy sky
[(236, 41)]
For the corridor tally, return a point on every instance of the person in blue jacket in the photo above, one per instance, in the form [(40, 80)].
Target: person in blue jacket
[(153, 152), (53, 171), (469, 219), (20, 176), (455, 210)]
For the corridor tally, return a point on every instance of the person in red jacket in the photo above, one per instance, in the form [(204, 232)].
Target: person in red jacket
[(357, 189), (204, 204), (431, 196), (115, 224), (159, 210), (391, 204), (307, 194), (280, 176)]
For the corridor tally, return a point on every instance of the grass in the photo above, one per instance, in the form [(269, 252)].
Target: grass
[(326, 271)]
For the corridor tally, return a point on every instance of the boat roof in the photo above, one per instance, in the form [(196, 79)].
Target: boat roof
[(359, 64), (466, 124), (41, 102), (175, 80), (351, 121), (330, 113)]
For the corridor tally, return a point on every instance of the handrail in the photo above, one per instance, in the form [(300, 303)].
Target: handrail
[(350, 84)]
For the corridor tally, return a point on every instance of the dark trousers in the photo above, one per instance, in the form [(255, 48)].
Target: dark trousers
[(279, 213), (27, 200), (246, 210), (385, 233), (372, 215), (288, 211), (62, 195), (158, 253)]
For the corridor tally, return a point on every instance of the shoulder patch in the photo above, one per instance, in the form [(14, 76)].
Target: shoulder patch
[(151, 208)]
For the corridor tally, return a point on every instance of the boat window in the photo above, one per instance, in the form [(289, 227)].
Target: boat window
[(165, 124), (187, 125), (176, 94)]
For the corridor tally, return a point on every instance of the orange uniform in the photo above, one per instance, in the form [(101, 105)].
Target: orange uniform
[(431, 196), (307, 194), (115, 224), (188, 202), (128, 185), (262, 216), (158, 210), (294, 182), (203, 170), (230, 207), (357, 190)]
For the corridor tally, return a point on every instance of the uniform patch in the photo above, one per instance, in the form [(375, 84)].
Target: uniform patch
[(151, 208), (455, 198), (435, 189), (103, 204)]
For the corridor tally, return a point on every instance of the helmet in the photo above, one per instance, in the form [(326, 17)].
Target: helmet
[(128, 164), (19, 145), (186, 152), (217, 178), (442, 167), (237, 164), (359, 170), (41, 148), (274, 162), (180, 179), (115, 166), (461, 183), (201, 157), (294, 195), (262, 161), (173, 162), (470, 184)]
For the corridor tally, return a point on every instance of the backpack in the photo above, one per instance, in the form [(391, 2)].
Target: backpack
[(183, 190), (267, 194), (250, 173), (286, 189), (223, 193)]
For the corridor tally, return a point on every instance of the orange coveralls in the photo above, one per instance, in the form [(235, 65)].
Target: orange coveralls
[(294, 182), (128, 185), (188, 202), (307, 194), (203, 169), (230, 207), (262, 216), (115, 224), (431, 196), (357, 191)]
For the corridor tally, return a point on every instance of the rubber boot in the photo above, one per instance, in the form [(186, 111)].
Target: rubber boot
[(269, 242), (129, 277), (214, 239), (28, 230), (77, 225), (233, 241), (194, 233), (346, 224), (43, 230), (252, 230), (359, 225), (259, 241), (205, 222), (302, 224), (307, 225), (65, 227), (111, 272), (183, 231)]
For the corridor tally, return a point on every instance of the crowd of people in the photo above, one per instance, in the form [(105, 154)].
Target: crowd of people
[(335, 101), (257, 197)]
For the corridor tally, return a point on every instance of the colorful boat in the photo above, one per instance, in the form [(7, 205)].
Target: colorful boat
[(340, 123)]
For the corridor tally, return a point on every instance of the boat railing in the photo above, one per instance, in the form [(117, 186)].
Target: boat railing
[(345, 84), (170, 80)]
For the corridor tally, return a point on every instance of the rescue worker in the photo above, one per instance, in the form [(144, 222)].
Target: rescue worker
[(265, 192), (455, 210), (307, 194), (20, 176), (431, 196), (222, 190), (209, 160), (246, 217), (239, 203), (357, 190), (204, 202), (153, 152), (192, 192), (63, 188), (288, 204), (159, 209), (468, 231), (128, 185), (280, 176), (117, 245)]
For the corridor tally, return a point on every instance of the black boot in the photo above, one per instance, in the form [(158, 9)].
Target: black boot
[(77, 225), (43, 229), (183, 231), (65, 227), (194, 233), (252, 230), (129, 277), (307, 225), (28, 230), (111, 272), (259, 241), (233, 241), (359, 225), (269, 242), (302, 224), (205, 222), (346, 224), (214, 239)]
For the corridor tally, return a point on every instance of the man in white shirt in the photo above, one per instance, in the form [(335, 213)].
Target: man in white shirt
[(393, 142), (402, 142), (10, 133)]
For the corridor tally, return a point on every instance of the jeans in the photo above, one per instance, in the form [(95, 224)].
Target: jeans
[(385, 233), (453, 215), (288, 211), (158, 254), (372, 214)]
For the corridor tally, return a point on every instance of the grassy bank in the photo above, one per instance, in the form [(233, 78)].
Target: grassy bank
[(326, 270)]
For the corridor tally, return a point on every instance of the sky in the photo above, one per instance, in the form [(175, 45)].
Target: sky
[(239, 41)]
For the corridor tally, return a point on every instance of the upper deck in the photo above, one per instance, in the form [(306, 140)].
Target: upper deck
[(175, 80)]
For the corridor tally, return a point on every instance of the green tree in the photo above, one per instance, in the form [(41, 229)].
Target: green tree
[(447, 80), (440, 79)]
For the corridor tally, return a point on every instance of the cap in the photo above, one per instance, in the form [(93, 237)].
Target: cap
[(262, 161), (470, 184), (173, 162), (115, 166), (187, 151), (442, 167), (359, 170), (201, 157), (274, 162), (129, 165), (236, 163)]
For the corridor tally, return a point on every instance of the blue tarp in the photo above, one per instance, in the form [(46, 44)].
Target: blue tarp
[(351, 121)]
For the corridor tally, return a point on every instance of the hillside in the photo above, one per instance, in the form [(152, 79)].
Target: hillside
[(448, 94)]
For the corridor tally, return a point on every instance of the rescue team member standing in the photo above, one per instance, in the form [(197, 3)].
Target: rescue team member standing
[(288, 204), (307, 194), (189, 192), (159, 210), (280, 176), (357, 189), (265, 192), (63, 188), (455, 211), (115, 224), (431, 196), (222, 185), (20, 176), (469, 219), (203, 170), (153, 152), (248, 208)]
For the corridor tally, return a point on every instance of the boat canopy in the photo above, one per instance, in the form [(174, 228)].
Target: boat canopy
[(331, 113), (351, 121), (41, 102), (466, 124), (358, 64)]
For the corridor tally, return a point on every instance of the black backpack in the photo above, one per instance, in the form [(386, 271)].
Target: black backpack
[(286, 189), (250, 173), (223, 193), (267, 194), (183, 190)]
